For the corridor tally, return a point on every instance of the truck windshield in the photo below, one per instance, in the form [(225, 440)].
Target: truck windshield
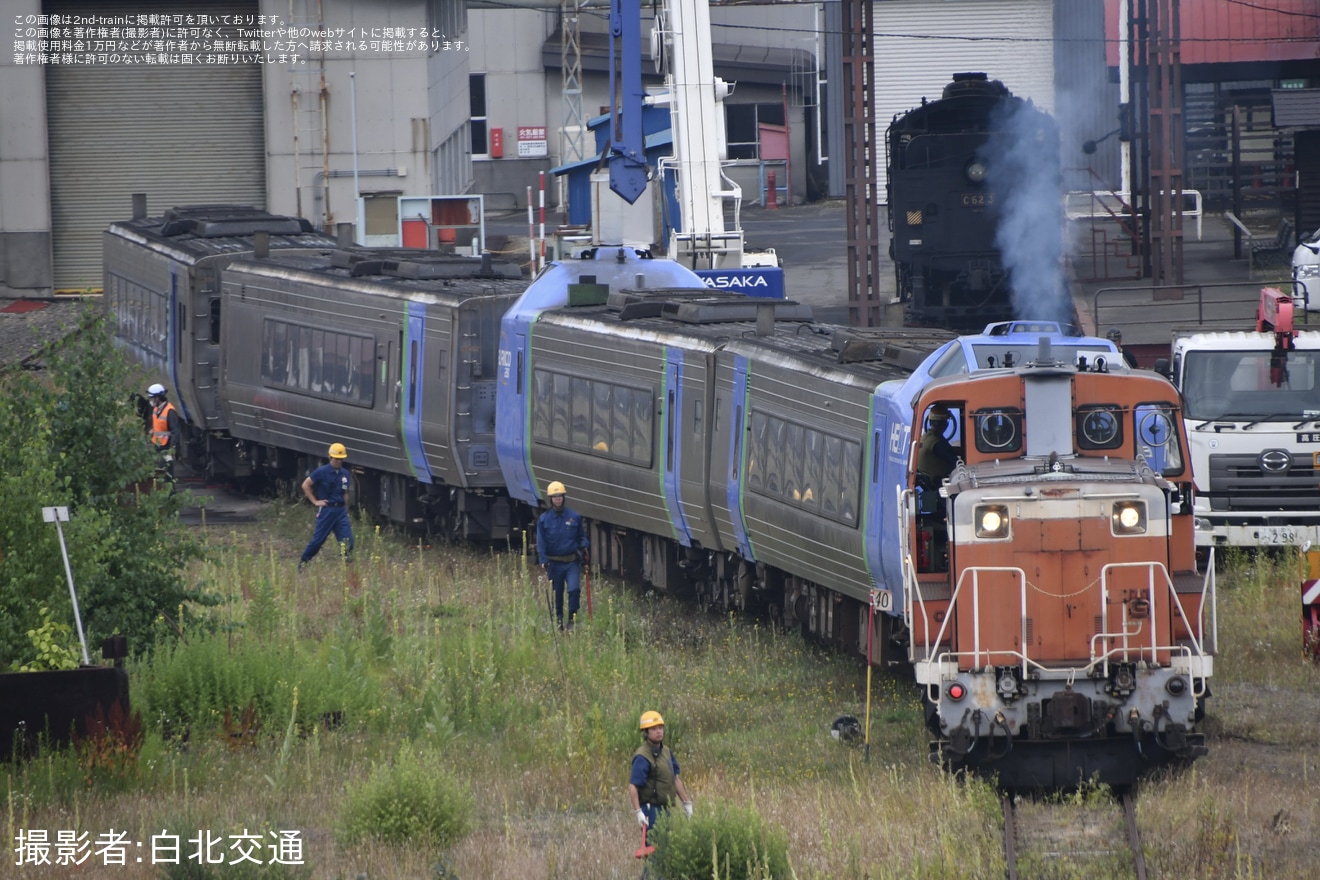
[(1238, 385)]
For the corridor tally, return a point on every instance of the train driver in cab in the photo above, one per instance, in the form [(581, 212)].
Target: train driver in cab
[(936, 456)]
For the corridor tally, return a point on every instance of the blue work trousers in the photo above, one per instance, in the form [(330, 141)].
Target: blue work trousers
[(330, 519), (565, 575)]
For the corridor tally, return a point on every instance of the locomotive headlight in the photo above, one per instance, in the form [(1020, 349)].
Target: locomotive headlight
[(1129, 518), (991, 521), (976, 171)]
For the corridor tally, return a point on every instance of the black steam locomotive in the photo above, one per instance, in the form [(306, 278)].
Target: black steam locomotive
[(976, 210)]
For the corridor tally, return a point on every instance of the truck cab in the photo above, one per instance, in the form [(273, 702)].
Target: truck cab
[(1251, 405)]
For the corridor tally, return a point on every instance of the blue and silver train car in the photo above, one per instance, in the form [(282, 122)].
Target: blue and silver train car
[(391, 352), (736, 448), (162, 296)]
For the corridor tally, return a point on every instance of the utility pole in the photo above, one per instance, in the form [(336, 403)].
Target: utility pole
[(860, 156), (573, 132)]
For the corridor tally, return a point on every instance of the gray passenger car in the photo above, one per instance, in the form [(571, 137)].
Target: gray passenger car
[(391, 353), (162, 297)]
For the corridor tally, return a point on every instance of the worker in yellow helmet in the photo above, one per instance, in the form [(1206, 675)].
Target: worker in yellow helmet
[(562, 547), (654, 783), (327, 489)]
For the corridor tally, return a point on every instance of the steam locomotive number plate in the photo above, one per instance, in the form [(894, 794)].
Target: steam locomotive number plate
[(977, 200)]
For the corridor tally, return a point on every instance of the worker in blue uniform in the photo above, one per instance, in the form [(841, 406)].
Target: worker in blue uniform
[(327, 489), (562, 547)]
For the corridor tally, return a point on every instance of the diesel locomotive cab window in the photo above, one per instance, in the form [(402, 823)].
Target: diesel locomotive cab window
[(319, 362), (1158, 434), (998, 431), (805, 467), (588, 415), (1099, 427)]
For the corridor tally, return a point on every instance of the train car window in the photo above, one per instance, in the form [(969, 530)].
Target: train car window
[(950, 363), (581, 392), (181, 314), (215, 321), (336, 365), (794, 450), (812, 468), (669, 433), (412, 377), (737, 428), (592, 417), (643, 426), (602, 409), (756, 461), (561, 407), (541, 386), (1099, 426), (831, 482), (852, 481), (799, 465), (998, 430), (623, 407)]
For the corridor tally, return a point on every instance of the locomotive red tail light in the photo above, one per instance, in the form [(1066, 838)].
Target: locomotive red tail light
[(1129, 518), (991, 521), (955, 691)]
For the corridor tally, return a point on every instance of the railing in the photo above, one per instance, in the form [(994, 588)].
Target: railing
[(1100, 655), (1115, 205)]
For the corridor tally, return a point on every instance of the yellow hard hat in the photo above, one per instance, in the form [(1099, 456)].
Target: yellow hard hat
[(651, 719), (555, 488), (337, 450)]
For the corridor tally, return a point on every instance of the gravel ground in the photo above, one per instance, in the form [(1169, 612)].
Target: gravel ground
[(27, 327)]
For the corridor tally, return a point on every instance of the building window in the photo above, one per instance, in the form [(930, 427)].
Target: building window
[(743, 122), (477, 90)]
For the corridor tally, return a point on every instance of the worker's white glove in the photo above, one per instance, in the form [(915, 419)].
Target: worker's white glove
[(687, 808), (641, 820)]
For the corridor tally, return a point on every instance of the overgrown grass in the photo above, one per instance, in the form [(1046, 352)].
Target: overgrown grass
[(299, 694)]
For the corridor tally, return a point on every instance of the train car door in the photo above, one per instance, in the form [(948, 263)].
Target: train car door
[(512, 440), (672, 467), (412, 372)]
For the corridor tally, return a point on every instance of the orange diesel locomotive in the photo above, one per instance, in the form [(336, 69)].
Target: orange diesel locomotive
[(1059, 628)]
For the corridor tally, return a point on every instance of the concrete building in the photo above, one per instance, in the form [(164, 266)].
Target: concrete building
[(210, 101)]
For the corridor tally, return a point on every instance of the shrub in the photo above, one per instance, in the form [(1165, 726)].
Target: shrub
[(722, 841), (415, 799)]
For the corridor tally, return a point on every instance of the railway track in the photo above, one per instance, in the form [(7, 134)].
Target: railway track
[(1085, 836)]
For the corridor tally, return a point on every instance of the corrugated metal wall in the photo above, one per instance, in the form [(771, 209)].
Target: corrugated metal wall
[(182, 134), (920, 44), (1086, 103)]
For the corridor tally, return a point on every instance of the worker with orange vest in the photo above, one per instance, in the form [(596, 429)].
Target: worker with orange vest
[(165, 431)]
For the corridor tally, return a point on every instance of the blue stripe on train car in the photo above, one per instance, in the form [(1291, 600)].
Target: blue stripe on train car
[(877, 487), (414, 371), (737, 453), (672, 463)]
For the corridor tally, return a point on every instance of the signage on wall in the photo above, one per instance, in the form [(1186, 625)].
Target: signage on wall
[(532, 142)]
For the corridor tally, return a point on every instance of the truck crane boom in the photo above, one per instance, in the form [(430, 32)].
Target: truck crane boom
[(701, 237)]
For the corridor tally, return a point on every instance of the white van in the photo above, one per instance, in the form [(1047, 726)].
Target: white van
[(1306, 270)]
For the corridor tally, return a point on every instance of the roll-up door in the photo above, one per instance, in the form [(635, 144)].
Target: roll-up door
[(920, 44), (181, 133)]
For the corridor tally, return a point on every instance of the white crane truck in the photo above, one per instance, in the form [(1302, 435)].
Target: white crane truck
[(1251, 401)]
